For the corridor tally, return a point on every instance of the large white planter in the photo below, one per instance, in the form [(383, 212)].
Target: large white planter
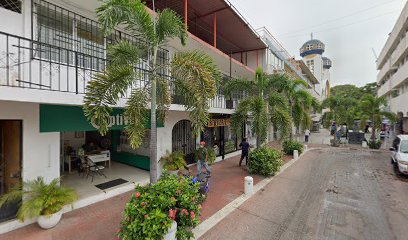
[(171, 234), (50, 221)]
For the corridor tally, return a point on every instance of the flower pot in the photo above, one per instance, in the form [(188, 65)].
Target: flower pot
[(50, 221), (171, 234)]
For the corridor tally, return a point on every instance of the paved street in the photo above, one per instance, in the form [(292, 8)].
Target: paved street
[(329, 194)]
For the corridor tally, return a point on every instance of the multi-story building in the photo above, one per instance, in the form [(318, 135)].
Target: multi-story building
[(392, 64), (50, 50), (312, 55)]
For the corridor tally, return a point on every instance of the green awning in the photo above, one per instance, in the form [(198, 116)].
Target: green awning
[(60, 118)]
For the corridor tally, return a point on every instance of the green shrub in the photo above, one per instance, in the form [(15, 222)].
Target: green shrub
[(264, 161), (152, 209), (374, 144), (211, 155), (40, 198), (290, 145), (173, 161), (229, 146)]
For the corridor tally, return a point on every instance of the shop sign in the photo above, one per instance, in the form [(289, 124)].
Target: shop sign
[(219, 122), (58, 118), (116, 120)]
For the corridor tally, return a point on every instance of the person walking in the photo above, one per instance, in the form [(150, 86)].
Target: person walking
[(202, 158), (307, 134), (244, 151)]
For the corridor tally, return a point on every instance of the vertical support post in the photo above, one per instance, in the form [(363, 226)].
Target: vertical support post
[(76, 72), (257, 59), (185, 14), (215, 30)]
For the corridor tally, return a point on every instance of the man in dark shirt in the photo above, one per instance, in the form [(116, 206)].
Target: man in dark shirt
[(245, 150)]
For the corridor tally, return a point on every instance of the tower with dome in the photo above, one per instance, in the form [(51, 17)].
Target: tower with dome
[(312, 55)]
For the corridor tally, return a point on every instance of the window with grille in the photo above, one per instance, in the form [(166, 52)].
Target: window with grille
[(12, 5)]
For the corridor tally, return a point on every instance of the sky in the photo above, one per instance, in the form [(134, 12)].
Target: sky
[(350, 29)]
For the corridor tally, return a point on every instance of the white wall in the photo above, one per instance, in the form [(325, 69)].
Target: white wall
[(40, 150)]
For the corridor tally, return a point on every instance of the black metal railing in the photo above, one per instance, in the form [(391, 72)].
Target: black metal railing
[(65, 52)]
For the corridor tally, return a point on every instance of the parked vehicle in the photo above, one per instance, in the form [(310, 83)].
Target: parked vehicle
[(400, 153)]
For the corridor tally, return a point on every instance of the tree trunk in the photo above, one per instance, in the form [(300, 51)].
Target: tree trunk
[(153, 126), (258, 141)]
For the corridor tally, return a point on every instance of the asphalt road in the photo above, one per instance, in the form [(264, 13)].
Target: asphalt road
[(328, 194)]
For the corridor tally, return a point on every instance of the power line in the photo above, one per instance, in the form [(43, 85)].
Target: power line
[(345, 25), (337, 19)]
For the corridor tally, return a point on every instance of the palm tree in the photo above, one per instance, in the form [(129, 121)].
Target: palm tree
[(301, 102), (261, 103), (193, 72), (371, 108)]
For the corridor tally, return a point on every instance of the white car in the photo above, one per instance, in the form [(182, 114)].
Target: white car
[(400, 153)]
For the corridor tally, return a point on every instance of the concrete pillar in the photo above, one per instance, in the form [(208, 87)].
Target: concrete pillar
[(249, 185), (296, 154)]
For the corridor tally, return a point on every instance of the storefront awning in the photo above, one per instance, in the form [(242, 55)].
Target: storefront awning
[(59, 118)]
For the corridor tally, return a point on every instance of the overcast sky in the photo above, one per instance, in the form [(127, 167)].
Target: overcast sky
[(349, 28)]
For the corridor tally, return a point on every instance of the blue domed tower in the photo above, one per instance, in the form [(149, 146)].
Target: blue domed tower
[(312, 47), (311, 53)]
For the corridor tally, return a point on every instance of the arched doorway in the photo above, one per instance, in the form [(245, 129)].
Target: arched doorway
[(183, 139)]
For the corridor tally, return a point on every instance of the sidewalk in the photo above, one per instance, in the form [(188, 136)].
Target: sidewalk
[(100, 221)]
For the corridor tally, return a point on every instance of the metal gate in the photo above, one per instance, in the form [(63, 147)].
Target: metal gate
[(183, 140)]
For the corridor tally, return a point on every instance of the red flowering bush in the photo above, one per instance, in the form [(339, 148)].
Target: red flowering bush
[(152, 209)]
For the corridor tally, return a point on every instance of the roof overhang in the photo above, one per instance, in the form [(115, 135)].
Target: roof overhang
[(308, 74), (234, 33)]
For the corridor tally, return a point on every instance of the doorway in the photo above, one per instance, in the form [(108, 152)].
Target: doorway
[(10, 162), (183, 140)]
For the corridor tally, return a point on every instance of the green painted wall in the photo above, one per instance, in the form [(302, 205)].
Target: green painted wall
[(59, 118)]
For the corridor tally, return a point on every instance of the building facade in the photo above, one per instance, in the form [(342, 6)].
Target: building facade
[(50, 50), (312, 55), (392, 64)]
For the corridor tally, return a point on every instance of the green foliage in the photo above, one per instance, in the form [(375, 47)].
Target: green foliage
[(211, 155), (290, 145), (371, 108), (173, 161), (374, 144), (152, 209), (229, 146), (40, 199), (196, 79), (194, 72), (266, 102), (264, 161)]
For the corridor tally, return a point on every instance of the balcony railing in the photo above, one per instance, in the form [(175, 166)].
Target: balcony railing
[(65, 52)]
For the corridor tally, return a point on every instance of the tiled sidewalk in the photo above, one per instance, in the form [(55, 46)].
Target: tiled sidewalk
[(100, 221)]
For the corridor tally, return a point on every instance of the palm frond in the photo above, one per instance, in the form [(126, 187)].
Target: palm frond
[(104, 91), (196, 79), (260, 118), (238, 86), (240, 116), (170, 25), (132, 14), (281, 121), (137, 116), (124, 53)]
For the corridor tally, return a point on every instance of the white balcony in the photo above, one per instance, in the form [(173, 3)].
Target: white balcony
[(395, 80), (393, 37), (399, 104)]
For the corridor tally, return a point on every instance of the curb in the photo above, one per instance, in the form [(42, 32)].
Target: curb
[(210, 222)]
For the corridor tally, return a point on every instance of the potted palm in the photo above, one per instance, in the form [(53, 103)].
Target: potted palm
[(173, 162), (40, 200)]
